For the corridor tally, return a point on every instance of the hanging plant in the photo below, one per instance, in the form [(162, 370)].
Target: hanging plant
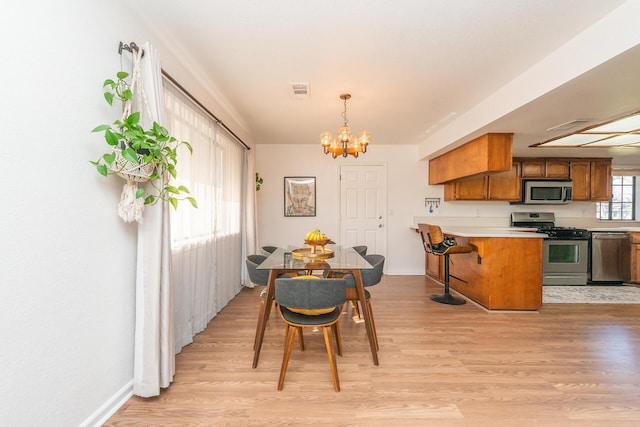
[(138, 154), (259, 181)]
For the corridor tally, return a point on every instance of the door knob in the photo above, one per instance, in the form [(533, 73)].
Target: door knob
[(379, 225)]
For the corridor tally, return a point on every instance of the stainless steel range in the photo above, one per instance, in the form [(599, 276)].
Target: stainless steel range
[(565, 256)]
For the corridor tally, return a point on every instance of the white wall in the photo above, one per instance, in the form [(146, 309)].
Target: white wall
[(67, 273), (407, 178)]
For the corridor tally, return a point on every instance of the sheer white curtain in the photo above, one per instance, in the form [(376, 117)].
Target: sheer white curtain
[(207, 243), (154, 357)]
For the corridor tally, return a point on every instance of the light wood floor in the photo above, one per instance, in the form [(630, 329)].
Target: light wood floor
[(566, 365)]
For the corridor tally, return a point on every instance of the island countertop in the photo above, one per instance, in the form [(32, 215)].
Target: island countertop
[(509, 232)]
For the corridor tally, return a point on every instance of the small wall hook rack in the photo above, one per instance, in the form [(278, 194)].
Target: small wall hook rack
[(431, 203)]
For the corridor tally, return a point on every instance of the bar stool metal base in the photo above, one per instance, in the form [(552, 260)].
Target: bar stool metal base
[(447, 299)]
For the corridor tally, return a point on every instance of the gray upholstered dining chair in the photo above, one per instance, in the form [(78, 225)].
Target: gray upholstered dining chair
[(260, 278), (370, 277), (361, 249), (269, 249), (307, 302)]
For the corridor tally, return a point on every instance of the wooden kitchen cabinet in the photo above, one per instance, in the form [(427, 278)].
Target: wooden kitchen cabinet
[(581, 177), (534, 168), (545, 168), (506, 185), (600, 180), (486, 154), (591, 180), (499, 186), (434, 266), (467, 189), (558, 169), (635, 257)]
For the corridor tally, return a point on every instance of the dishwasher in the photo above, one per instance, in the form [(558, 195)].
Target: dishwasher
[(610, 257)]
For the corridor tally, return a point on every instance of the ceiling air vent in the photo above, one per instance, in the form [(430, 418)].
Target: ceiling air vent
[(568, 125), (299, 90)]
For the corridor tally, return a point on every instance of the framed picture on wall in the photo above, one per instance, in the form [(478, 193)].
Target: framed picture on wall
[(299, 196)]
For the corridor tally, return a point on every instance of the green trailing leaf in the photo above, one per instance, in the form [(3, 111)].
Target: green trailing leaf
[(102, 170), (174, 202), (141, 192), (122, 75), (130, 154), (111, 138), (183, 189), (101, 128), (172, 189), (109, 97), (188, 146), (109, 158), (193, 202), (133, 118), (149, 200)]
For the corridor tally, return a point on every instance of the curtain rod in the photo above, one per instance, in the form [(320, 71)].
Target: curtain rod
[(131, 47), (193, 98)]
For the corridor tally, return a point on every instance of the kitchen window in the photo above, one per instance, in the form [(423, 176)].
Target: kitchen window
[(622, 206)]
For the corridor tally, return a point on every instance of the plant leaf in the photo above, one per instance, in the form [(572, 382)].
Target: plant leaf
[(109, 158), (141, 192), (150, 200), (171, 189), (111, 137), (102, 170), (188, 146), (174, 202), (109, 97), (183, 189), (101, 128), (122, 75), (130, 154), (133, 118), (193, 202)]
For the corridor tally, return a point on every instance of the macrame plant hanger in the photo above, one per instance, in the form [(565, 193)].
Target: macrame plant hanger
[(131, 208)]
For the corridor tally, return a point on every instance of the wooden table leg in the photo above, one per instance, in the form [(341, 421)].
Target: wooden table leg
[(366, 314), (264, 315)]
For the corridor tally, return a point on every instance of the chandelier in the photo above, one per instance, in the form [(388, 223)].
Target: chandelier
[(345, 143)]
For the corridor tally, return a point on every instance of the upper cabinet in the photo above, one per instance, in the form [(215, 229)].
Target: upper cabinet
[(498, 186), (484, 155), (591, 180), (545, 168)]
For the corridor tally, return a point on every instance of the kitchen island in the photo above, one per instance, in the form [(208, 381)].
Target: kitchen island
[(504, 271)]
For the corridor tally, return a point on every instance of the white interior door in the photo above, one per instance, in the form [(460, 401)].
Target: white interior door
[(363, 207)]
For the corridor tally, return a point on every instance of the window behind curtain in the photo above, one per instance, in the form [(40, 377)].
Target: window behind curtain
[(207, 241), (622, 203)]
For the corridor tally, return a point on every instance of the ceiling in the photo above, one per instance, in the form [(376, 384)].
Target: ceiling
[(413, 67)]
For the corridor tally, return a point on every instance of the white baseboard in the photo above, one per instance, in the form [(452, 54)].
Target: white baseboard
[(100, 416)]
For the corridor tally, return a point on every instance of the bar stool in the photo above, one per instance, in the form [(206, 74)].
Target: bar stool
[(435, 244)]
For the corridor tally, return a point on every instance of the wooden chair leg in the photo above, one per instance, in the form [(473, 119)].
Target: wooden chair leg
[(373, 325), (332, 357), (336, 333), (301, 338), (290, 336)]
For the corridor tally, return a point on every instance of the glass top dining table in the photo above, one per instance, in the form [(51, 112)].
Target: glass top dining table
[(284, 260)]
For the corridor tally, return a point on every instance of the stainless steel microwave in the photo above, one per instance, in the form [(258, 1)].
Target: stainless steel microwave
[(546, 192)]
